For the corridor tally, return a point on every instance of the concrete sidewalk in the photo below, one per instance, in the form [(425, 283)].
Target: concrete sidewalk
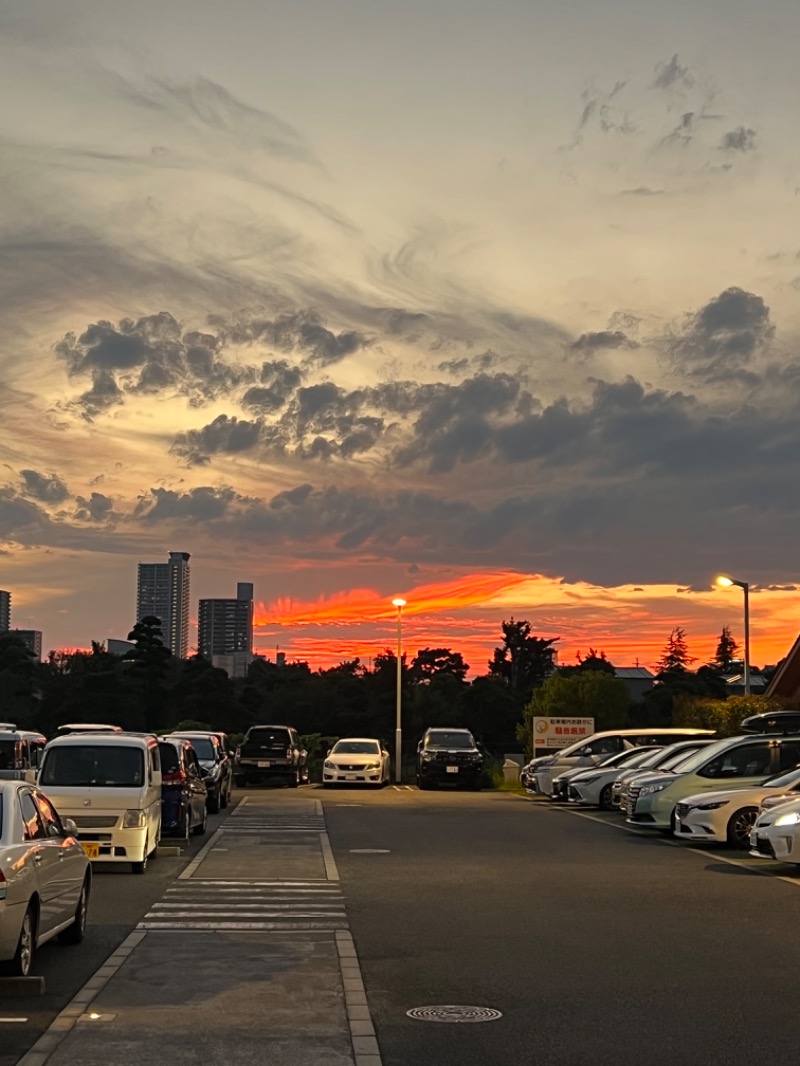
[(246, 961)]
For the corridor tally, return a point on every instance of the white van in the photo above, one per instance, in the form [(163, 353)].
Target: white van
[(109, 784), (590, 751)]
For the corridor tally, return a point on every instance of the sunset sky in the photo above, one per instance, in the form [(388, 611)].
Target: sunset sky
[(494, 306)]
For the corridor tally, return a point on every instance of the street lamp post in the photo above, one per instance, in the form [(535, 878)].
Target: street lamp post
[(399, 603), (727, 582)]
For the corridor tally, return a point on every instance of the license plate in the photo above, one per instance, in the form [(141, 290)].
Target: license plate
[(92, 850), (263, 765), (351, 777), (452, 769)]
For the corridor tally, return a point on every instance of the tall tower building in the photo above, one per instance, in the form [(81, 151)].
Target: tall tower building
[(225, 632), (5, 611), (163, 590)]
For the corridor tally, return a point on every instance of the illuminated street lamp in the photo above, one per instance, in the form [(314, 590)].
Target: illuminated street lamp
[(727, 582), (399, 603)]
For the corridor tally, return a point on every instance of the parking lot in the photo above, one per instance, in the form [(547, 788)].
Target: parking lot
[(594, 940)]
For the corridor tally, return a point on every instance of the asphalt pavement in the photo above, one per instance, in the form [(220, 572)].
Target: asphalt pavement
[(588, 943)]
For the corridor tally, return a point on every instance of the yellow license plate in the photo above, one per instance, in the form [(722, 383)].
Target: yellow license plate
[(92, 850)]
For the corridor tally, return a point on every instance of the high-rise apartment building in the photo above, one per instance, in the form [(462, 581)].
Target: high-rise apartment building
[(163, 590), (31, 638), (5, 611), (225, 631)]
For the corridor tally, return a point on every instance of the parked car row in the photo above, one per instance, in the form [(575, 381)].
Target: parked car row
[(743, 790)]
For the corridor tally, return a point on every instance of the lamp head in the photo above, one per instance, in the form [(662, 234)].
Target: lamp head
[(725, 581), (398, 602)]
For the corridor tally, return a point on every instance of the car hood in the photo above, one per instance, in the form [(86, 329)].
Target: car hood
[(651, 778), (339, 760), (700, 798)]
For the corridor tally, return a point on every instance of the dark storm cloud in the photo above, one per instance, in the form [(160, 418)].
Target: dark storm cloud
[(672, 74), (739, 140), (277, 382), (149, 355), (45, 487), (97, 508), (302, 331), (224, 434), (590, 342), (722, 338), (202, 504)]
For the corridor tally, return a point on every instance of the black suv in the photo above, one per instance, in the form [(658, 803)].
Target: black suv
[(449, 756), (270, 752)]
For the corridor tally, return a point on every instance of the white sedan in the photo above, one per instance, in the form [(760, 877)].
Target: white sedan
[(45, 877), (776, 834), (356, 761), (728, 815)]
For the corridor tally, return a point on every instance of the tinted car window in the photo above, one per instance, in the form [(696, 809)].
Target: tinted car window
[(88, 764), (267, 738), (52, 823), (443, 739), (170, 762), (6, 754), (789, 755), (355, 747), (204, 746), (751, 760)]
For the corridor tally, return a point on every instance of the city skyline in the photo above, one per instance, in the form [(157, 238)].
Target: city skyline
[(509, 330)]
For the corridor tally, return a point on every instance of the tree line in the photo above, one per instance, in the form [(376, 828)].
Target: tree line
[(148, 689)]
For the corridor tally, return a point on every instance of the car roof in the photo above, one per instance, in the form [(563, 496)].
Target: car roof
[(280, 725), (90, 727), (364, 740), (68, 739)]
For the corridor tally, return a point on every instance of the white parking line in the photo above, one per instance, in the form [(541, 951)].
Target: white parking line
[(762, 871)]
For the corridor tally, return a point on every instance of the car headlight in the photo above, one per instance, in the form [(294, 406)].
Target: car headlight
[(134, 820), (788, 819), (329, 765), (426, 756), (712, 806), (589, 780), (372, 766), (647, 790)]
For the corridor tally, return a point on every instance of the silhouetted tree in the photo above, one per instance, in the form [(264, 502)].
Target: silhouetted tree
[(523, 661), (675, 658), (725, 653)]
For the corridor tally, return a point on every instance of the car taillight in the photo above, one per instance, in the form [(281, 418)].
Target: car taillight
[(175, 778)]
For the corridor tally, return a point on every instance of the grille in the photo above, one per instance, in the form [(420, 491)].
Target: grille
[(95, 821), (633, 794), (764, 847), (354, 768), (683, 809), (452, 757)]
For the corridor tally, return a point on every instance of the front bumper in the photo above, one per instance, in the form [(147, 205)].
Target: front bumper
[(447, 773), (696, 824), (584, 795), (652, 811), (775, 843), (115, 845), (359, 776)]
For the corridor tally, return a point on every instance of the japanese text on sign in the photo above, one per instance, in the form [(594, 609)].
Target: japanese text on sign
[(560, 732)]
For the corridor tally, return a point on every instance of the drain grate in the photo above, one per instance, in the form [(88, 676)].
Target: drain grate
[(451, 1013)]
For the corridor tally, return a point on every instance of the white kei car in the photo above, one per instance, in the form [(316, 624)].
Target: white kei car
[(356, 761), (776, 834), (728, 815), (45, 877)]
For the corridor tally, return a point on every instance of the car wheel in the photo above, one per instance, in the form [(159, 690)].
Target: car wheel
[(604, 803), (75, 933), (424, 785), (140, 867), (739, 825), (294, 780), (214, 802), (241, 782), (21, 964)]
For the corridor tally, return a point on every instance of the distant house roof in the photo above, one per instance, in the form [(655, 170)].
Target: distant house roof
[(786, 679), (757, 681), (633, 673)]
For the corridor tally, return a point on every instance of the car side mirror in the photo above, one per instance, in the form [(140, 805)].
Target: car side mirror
[(69, 827)]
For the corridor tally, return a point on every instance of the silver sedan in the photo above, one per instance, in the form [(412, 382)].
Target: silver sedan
[(45, 877)]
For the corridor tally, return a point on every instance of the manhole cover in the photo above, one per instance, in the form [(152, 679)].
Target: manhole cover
[(450, 1013)]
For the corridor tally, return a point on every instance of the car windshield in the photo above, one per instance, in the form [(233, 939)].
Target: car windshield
[(267, 738), (677, 758), (646, 757), (442, 739), (117, 766), (204, 747), (788, 777), (7, 754), (356, 747)]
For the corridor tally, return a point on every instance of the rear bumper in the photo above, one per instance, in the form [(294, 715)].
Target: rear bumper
[(250, 769), (452, 775)]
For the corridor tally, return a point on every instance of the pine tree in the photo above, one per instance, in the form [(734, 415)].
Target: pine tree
[(725, 653), (675, 658)]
